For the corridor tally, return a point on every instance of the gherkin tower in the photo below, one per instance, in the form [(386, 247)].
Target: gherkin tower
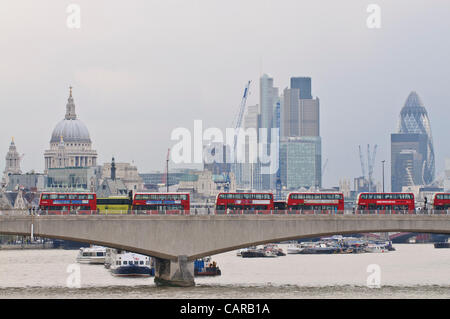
[(414, 121)]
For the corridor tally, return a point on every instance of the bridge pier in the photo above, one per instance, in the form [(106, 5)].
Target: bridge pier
[(179, 273)]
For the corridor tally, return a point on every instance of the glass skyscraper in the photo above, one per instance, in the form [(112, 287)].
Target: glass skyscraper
[(414, 135), (300, 162)]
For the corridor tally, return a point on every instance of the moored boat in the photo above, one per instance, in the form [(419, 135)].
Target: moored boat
[(442, 245), (206, 267), (294, 249), (258, 252), (274, 249), (376, 248), (91, 255), (130, 264)]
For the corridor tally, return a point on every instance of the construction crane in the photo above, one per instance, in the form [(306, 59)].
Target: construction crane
[(237, 125), (324, 167), (166, 175), (238, 120), (370, 164), (363, 168)]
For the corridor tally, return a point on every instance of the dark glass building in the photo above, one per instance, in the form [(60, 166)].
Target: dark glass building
[(304, 84)]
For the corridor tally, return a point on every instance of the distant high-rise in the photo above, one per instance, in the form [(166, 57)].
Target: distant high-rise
[(248, 174), (304, 85), (300, 153), (300, 117), (268, 99), (412, 151), (301, 162)]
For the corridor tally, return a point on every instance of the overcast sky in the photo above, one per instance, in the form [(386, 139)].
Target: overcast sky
[(139, 69)]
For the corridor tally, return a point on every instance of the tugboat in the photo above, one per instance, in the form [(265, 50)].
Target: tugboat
[(204, 267), (92, 255), (122, 263)]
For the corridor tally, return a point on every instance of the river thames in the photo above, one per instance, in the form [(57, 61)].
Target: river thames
[(412, 271)]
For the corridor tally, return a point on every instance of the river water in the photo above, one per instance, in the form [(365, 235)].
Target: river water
[(412, 271)]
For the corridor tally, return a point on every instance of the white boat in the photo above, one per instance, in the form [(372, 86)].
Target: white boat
[(373, 248), (91, 255), (122, 263), (294, 248)]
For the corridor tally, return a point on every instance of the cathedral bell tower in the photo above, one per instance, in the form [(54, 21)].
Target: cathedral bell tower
[(12, 163)]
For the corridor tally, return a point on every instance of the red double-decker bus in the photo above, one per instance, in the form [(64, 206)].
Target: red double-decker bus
[(441, 201), (386, 201), (68, 203), (262, 202), (161, 203), (315, 201)]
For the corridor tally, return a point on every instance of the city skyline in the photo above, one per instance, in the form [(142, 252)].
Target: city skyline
[(121, 103)]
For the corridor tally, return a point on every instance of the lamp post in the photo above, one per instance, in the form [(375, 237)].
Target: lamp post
[(383, 173)]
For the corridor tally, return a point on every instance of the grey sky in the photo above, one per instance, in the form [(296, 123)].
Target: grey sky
[(142, 68)]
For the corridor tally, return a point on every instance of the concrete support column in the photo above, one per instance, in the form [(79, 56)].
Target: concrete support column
[(179, 273)]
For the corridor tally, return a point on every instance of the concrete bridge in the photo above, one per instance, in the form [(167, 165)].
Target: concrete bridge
[(176, 241)]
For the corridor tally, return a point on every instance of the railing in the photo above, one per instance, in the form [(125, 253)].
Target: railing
[(221, 212)]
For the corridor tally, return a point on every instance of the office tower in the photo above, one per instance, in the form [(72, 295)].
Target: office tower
[(268, 100), (301, 162), (414, 135), (300, 117), (300, 149), (247, 174)]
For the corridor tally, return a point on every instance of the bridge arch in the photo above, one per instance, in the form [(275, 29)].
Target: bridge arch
[(168, 237)]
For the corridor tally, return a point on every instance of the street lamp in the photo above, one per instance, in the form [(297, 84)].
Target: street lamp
[(383, 173)]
